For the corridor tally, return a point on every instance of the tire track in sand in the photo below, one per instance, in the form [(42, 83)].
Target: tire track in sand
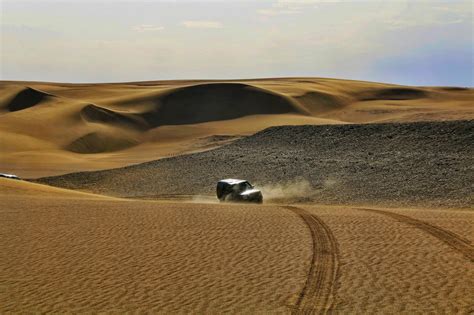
[(453, 240), (318, 292)]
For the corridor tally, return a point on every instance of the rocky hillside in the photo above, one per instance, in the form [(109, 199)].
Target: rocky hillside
[(420, 164)]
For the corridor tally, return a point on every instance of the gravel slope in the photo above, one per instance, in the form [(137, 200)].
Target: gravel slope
[(422, 163)]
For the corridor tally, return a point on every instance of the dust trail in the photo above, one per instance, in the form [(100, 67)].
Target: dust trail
[(203, 199), (297, 190)]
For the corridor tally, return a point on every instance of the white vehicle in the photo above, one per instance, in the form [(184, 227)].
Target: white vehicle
[(237, 190), (10, 176)]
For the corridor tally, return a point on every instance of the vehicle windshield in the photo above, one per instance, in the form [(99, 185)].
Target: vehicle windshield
[(243, 186)]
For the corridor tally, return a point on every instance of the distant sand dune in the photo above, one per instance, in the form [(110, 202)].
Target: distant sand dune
[(97, 126), (218, 101), (319, 102)]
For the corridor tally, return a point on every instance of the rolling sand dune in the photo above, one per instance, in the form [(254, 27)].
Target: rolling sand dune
[(53, 128)]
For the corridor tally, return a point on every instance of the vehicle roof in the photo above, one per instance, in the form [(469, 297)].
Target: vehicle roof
[(232, 181)]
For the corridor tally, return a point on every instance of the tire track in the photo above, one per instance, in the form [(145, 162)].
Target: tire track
[(453, 240), (318, 292)]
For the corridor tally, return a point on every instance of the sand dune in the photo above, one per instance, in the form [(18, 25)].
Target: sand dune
[(97, 126), (218, 101)]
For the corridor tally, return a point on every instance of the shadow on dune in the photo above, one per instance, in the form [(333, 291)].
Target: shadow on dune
[(393, 94), (96, 114), (27, 98), (212, 102), (96, 142)]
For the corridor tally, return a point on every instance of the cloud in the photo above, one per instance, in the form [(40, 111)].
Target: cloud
[(201, 24), (289, 7), (22, 30), (275, 12), (296, 2), (429, 18), (401, 23), (147, 28)]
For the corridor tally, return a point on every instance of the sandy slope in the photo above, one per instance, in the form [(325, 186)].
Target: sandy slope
[(101, 255), (20, 189), (54, 128)]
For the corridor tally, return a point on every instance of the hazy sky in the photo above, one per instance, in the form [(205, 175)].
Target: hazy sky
[(407, 42)]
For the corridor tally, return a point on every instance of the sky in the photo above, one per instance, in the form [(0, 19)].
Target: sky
[(413, 42)]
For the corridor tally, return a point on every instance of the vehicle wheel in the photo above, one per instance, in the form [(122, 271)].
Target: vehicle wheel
[(229, 198)]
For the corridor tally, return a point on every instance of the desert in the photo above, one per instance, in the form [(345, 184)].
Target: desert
[(211, 157), (367, 197)]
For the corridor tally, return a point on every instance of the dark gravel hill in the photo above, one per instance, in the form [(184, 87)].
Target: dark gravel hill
[(420, 164)]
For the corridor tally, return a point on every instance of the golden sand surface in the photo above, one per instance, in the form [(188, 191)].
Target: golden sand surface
[(90, 255), (56, 128), (64, 251)]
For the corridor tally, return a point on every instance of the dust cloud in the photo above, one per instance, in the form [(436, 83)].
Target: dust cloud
[(204, 199), (287, 191)]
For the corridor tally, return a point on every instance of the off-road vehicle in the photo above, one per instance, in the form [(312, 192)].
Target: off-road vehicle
[(237, 190)]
